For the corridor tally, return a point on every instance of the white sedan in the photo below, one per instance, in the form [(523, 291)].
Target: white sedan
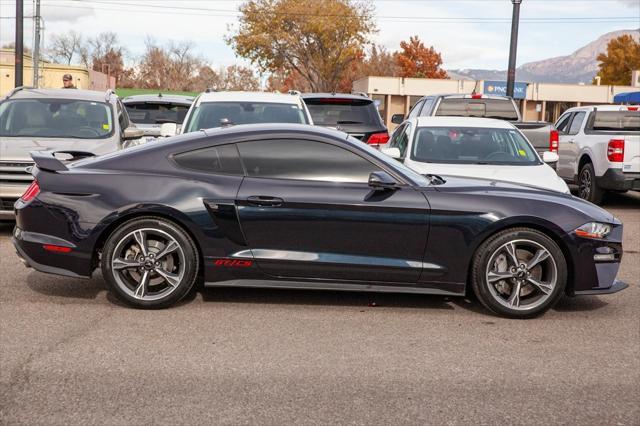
[(473, 147)]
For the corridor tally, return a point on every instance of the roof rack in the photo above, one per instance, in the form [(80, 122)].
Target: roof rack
[(108, 94), (360, 94), (16, 90), (294, 92), (210, 89)]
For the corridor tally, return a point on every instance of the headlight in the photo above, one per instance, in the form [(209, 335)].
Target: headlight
[(593, 230)]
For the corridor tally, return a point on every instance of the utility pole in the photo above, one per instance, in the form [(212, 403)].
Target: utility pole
[(19, 48), (511, 73), (36, 45)]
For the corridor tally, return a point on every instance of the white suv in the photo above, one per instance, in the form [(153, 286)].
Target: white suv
[(218, 109), (599, 149)]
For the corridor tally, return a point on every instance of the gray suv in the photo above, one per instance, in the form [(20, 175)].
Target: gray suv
[(55, 119)]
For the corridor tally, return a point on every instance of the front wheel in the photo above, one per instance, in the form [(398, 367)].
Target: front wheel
[(150, 263), (519, 273)]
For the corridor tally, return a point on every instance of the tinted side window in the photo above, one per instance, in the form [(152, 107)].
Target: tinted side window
[(426, 109), (222, 159), (400, 138), (576, 123), (416, 109), (563, 123), (123, 118), (305, 160)]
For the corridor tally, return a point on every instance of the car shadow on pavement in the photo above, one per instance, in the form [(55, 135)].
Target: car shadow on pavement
[(335, 298), (580, 304), (58, 286)]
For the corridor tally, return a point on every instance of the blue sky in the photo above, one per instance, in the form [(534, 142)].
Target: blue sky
[(468, 33)]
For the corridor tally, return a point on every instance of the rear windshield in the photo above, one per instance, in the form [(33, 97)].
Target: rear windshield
[(156, 113), (501, 109), (208, 115), (471, 145), (616, 120), (55, 118), (335, 111)]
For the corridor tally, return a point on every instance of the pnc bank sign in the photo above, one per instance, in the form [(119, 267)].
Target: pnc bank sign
[(500, 88)]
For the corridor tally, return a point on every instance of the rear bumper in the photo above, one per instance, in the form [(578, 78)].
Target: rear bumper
[(616, 180), (29, 248), (616, 287)]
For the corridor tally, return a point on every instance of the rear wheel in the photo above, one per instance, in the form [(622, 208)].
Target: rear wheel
[(587, 186), (519, 273), (150, 262)]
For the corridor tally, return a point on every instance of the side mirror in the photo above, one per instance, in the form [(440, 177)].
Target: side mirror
[(382, 181), (168, 129), (550, 157), (392, 152), (397, 118), (132, 132)]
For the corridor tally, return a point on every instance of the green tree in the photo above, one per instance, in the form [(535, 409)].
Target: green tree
[(318, 40), (622, 56)]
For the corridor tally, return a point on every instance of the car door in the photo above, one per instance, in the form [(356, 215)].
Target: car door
[(572, 146), (564, 145), (306, 210)]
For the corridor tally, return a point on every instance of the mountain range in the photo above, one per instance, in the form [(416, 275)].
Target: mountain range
[(579, 67)]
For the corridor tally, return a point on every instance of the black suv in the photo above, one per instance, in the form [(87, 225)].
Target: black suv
[(356, 115)]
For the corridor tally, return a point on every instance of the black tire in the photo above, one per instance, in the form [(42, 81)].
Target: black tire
[(486, 253), (588, 188), (184, 263)]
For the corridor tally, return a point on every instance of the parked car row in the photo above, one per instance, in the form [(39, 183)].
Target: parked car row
[(249, 194)]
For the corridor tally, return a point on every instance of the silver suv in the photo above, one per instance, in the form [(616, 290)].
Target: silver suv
[(55, 119)]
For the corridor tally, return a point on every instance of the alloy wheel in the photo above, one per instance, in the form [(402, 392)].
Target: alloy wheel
[(521, 274), (585, 184), (148, 264)]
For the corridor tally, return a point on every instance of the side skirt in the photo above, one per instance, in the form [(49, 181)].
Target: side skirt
[(311, 285)]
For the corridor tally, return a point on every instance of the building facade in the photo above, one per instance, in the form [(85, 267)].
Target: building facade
[(537, 101), (50, 74)]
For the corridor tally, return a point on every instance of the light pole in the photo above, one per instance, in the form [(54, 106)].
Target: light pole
[(511, 73), (19, 46)]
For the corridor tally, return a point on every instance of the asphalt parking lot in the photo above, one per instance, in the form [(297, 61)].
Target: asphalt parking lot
[(71, 354)]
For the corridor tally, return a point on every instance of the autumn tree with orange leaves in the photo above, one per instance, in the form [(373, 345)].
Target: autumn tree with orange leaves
[(418, 61)]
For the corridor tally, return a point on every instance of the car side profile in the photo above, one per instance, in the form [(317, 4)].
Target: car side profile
[(295, 206)]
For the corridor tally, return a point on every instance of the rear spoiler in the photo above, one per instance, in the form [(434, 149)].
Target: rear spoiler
[(46, 160)]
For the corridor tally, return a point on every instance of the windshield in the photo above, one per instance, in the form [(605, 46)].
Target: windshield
[(156, 113), (335, 111), (502, 109), (472, 145), (209, 114), (55, 118), (617, 120), (391, 163)]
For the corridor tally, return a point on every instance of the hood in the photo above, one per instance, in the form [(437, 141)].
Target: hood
[(18, 149), (515, 192), (539, 176)]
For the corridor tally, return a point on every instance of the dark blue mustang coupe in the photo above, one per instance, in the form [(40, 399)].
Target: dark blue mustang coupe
[(293, 206)]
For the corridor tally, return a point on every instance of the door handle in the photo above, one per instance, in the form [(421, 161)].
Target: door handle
[(264, 201)]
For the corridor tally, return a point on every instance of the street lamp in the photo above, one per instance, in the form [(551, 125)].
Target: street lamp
[(511, 73)]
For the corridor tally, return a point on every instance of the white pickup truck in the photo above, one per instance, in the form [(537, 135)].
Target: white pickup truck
[(599, 149)]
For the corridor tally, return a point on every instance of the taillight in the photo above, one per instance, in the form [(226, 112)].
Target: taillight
[(615, 150), (378, 138), (553, 141), (476, 96), (632, 108), (31, 192)]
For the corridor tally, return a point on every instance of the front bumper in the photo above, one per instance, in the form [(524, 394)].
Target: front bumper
[(617, 180)]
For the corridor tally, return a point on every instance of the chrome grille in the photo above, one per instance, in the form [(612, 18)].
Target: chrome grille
[(15, 172)]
